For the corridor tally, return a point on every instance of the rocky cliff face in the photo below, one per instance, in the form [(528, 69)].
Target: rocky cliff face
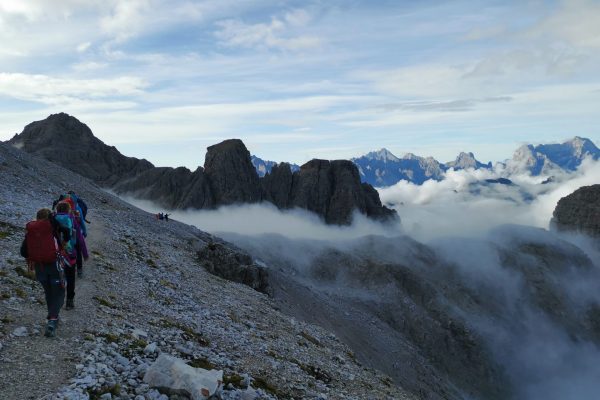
[(231, 174), (579, 211), (330, 189)]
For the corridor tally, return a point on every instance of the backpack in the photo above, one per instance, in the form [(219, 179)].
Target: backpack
[(40, 241)]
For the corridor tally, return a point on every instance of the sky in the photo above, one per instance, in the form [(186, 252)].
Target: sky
[(296, 80)]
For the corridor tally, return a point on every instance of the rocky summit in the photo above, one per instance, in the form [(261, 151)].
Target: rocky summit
[(330, 189), (579, 211)]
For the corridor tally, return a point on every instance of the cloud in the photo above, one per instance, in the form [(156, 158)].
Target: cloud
[(265, 218), (280, 33), (449, 106), (464, 204), (83, 47), (60, 91), (575, 22)]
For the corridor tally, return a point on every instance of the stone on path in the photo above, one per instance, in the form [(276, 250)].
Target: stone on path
[(171, 375)]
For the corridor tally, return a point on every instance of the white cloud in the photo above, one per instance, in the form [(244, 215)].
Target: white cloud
[(82, 47), (279, 33), (576, 22), (56, 91), (463, 204)]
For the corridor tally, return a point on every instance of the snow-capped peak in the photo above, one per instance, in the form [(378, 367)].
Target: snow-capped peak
[(381, 155)]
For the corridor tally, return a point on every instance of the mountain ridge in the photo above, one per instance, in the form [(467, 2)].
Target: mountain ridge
[(228, 176)]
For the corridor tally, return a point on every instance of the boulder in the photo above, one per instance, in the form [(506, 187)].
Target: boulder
[(235, 266), (172, 376)]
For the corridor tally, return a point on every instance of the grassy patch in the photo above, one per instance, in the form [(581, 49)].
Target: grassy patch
[(21, 293), (104, 302), (166, 283), (110, 337), (4, 234), (97, 393), (262, 383), (6, 320), (25, 273), (310, 338), (150, 262), (187, 332), (234, 379), (201, 363)]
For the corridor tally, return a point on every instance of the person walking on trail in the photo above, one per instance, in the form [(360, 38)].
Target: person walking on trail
[(66, 220), (40, 248), (167, 217)]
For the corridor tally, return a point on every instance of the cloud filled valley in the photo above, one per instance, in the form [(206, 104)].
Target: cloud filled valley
[(470, 289)]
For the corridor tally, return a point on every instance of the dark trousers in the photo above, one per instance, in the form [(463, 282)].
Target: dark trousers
[(79, 257), (70, 277), (48, 276)]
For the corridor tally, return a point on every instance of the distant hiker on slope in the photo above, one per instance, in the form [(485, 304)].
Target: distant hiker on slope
[(40, 248), (167, 217)]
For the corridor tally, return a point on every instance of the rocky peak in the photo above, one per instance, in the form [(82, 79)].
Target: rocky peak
[(466, 160), (66, 141), (231, 174), (579, 211), (382, 155)]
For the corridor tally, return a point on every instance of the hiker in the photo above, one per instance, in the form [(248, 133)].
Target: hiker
[(167, 217), (160, 216), (67, 221), (80, 244), (82, 207), (40, 248)]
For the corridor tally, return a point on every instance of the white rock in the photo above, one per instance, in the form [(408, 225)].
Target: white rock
[(20, 331), (138, 333), (151, 348), (174, 374)]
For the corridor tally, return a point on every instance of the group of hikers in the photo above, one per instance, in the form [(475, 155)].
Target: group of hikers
[(162, 216), (55, 248)]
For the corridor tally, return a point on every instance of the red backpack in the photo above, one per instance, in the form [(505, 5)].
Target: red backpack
[(41, 243)]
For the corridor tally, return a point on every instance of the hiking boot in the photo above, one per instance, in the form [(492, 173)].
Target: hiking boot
[(51, 328), (70, 305), (80, 273)]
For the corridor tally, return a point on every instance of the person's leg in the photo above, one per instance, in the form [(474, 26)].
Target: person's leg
[(79, 261), (42, 276), (70, 276), (57, 291)]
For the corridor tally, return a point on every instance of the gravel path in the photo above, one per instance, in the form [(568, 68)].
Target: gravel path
[(36, 359)]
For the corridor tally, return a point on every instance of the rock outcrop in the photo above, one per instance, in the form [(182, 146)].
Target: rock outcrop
[(331, 189), (231, 174), (235, 266), (579, 211)]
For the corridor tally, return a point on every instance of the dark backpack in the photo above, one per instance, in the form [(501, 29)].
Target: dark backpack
[(40, 241), (83, 207)]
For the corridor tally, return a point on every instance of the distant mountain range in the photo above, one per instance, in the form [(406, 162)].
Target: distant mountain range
[(264, 167), (382, 168)]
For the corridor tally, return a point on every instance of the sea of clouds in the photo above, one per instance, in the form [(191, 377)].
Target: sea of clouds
[(462, 218)]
